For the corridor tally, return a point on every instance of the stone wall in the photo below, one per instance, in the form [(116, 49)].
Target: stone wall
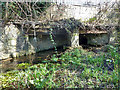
[(99, 38), (14, 42), (58, 12)]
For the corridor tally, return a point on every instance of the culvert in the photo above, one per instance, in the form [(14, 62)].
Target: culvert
[(83, 39)]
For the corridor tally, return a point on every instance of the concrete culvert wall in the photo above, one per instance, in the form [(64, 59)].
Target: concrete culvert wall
[(15, 42)]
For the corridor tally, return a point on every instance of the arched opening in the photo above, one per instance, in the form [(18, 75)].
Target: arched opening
[(82, 39)]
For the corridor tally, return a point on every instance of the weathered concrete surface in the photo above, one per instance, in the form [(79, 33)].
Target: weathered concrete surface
[(98, 38), (113, 36), (58, 12), (14, 42), (94, 39), (45, 43), (98, 35)]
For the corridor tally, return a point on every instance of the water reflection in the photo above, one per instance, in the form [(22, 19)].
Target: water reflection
[(11, 64)]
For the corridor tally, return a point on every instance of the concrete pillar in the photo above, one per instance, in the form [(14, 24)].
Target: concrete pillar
[(74, 38)]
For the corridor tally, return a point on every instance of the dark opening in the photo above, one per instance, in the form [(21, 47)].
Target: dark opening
[(82, 40)]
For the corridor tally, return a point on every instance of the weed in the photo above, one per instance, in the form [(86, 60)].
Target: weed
[(78, 69)]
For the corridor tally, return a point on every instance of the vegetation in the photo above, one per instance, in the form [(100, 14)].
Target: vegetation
[(92, 20), (22, 10), (75, 68)]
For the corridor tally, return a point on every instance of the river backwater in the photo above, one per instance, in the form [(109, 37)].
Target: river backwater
[(11, 63)]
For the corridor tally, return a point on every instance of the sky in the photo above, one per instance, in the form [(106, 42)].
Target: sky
[(80, 2)]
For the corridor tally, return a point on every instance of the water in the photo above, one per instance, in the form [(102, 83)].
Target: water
[(11, 64)]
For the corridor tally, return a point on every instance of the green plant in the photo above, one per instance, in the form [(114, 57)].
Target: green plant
[(78, 68), (23, 65), (52, 40), (92, 20), (25, 11)]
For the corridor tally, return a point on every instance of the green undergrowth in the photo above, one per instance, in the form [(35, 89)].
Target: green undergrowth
[(91, 20), (75, 68)]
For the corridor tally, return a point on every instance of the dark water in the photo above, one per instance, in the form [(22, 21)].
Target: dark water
[(8, 65)]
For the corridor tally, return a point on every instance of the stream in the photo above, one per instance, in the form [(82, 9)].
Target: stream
[(40, 57), (11, 64)]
